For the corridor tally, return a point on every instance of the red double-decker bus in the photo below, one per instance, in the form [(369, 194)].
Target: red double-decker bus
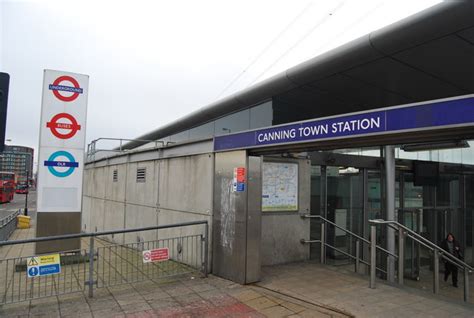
[(7, 186)]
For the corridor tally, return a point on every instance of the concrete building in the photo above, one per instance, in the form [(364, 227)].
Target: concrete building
[(382, 127), (17, 159)]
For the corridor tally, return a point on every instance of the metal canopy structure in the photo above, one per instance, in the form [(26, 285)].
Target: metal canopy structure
[(429, 55)]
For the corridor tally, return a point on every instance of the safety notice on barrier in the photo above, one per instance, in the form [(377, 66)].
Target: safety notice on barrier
[(43, 265), (156, 255)]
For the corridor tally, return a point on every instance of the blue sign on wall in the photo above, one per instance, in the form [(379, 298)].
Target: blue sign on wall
[(435, 114)]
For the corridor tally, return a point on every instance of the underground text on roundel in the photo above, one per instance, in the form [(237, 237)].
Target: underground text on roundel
[(57, 87)]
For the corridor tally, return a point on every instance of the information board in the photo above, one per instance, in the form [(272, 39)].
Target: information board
[(279, 187)]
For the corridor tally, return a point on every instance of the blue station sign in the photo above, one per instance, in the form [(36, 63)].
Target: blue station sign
[(435, 114)]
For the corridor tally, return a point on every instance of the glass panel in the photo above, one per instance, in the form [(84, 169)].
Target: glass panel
[(179, 137), (315, 227), (203, 131), (447, 191), (469, 249), (233, 123), (261, 115), (456, 155), (374, 191), (316, 190), (413, 195), (345, 208)]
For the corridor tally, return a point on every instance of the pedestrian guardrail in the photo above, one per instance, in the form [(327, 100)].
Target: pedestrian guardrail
[(102, 263), (438, 254), (8, 225)]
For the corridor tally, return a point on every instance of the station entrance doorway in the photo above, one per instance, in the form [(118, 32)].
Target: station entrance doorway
[(348, 190)]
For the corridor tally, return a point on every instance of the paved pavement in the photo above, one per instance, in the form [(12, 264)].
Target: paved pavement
[(188, 295), (340, 289), (184, 297)]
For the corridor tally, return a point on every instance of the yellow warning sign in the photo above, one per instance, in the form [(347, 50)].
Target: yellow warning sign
[(43, 260), (32, 261)]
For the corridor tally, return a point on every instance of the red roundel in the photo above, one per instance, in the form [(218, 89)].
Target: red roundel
[(54, 125), (57, 92)]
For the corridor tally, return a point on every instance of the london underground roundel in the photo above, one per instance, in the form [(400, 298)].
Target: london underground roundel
[(61, 168), (66, 88), (63, 126)]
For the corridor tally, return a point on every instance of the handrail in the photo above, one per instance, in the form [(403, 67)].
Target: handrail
[(94, 234), (8, 218), (309, 216), (427, 243)]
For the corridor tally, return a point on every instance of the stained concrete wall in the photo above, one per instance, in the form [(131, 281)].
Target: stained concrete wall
[(175, 190), (282, 231)]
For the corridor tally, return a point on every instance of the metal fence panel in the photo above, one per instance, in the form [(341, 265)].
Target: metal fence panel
[(122, 264), (15, 286), (104, 264)]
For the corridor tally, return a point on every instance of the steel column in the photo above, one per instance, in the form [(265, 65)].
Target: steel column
[(435, 271), (91, 267), (466, 284), (206, 249), (323, 244), (373, 244), (401, 256), (357, 259), (389, 155)]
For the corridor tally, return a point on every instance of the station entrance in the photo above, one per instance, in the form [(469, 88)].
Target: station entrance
[(348, 190), (380, 197)]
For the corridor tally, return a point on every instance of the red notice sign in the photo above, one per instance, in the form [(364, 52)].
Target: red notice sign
[(156, 255)]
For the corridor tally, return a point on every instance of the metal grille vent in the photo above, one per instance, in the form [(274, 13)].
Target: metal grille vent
[(115, 175), (141, 174)]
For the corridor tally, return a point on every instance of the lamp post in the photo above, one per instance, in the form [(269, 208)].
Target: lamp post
[(27, 191), (27, 172)]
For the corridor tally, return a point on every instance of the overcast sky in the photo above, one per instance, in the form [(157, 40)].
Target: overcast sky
[(151, 62)]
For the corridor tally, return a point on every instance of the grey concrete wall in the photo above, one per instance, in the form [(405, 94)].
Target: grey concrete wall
[(282, 231), (175, 190)]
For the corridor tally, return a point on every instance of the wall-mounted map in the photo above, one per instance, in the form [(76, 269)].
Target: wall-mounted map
[(279, 187)]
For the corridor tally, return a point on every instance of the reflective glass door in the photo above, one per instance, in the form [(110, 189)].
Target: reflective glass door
[(344, 208)]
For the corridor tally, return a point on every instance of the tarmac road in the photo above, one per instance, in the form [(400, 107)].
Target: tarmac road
[(19, 203)]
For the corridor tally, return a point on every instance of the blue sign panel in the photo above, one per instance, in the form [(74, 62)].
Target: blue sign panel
[(439, 114), (33, 271), (49, 269), (240, 187)]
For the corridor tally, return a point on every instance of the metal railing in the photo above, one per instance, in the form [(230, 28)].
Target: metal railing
[(103, 263), (92, 149), (359, 241), (437, 251), (8, 225)]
